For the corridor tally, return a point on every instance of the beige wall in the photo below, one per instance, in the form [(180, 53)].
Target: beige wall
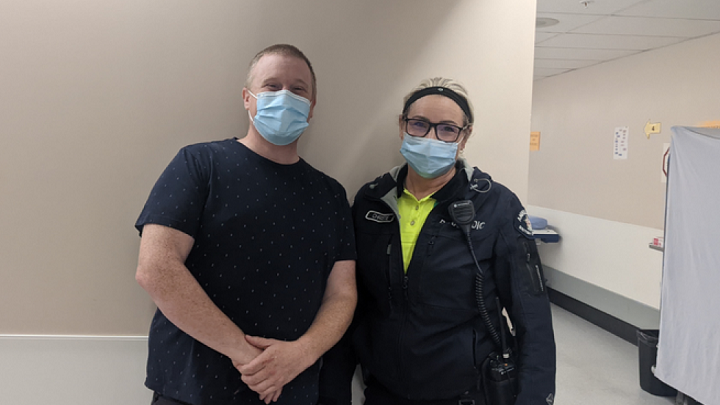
[(96, 98), (578, 112), (608, 211)]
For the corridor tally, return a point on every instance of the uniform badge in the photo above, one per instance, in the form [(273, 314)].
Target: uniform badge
[(524, 225), (379, 217)]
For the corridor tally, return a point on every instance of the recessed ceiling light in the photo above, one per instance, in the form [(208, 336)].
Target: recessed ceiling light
[(545, 22)]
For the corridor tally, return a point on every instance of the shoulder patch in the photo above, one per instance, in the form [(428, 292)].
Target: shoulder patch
[(379, 217), (523, 224)]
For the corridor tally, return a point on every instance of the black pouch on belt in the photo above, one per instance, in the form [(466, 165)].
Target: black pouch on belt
[(500, 380)]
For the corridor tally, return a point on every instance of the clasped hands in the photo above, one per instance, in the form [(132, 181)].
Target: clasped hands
[(277, 363)]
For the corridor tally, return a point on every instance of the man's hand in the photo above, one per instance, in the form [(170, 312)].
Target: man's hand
[(245, 356), (278, 364)]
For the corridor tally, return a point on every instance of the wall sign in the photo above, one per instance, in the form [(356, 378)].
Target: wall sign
[(620, 146)]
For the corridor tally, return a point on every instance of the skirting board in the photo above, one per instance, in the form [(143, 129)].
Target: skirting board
[(616, 314), (73, 370)]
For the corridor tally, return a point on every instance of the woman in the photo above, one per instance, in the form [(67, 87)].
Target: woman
[(428, 325)]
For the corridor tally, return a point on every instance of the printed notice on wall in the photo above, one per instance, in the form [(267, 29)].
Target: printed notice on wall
[(620, 150)]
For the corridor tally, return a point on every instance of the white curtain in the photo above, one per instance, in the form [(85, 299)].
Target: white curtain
[(689, 346)]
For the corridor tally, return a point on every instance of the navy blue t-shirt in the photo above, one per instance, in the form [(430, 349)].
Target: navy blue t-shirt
[(266, 237)]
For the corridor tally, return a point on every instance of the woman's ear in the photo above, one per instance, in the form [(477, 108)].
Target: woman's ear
[(465, 136), (463, 141)]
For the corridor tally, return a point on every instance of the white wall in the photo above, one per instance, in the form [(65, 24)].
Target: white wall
[(73, 370), (609, 210), (81, 370), (608, 254)]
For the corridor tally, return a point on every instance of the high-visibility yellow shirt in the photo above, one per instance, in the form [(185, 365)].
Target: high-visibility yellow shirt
[(413, 214)]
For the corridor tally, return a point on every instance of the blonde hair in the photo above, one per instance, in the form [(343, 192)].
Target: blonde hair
[(284, 50), (448, 84)]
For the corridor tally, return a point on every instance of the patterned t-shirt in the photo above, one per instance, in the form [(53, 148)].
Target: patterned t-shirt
[(266, 237)]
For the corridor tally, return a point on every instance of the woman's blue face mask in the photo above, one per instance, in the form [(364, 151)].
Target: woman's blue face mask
[(429, 158), (281, 116)]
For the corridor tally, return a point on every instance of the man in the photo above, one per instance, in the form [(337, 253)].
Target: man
[(248, 253)]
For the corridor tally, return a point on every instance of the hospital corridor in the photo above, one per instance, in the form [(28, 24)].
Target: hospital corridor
[(419, 167)]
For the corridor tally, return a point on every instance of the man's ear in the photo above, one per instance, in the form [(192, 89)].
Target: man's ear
[(312, 108), (246, 98)]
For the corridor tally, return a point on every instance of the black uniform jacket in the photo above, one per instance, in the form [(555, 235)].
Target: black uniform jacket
[(419, 333)]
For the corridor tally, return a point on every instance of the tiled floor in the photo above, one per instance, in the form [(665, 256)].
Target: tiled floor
[(596, 367)]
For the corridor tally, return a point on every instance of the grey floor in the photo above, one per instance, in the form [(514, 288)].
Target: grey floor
[(596, 367)]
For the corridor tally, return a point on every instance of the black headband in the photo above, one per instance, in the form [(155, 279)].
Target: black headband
[(442, 91)]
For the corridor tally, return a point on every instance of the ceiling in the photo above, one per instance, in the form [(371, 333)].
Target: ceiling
[(589, 32)]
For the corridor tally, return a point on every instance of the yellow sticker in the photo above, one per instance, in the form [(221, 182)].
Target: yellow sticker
[(710, 124), (534, 141), (652, 128)]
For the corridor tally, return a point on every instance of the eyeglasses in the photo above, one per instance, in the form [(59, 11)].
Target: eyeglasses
[(444, 132)]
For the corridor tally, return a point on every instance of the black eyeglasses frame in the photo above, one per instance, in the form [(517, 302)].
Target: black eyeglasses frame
[(433, 125)]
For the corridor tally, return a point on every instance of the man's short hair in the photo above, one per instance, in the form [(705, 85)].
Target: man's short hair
[(284, 50)]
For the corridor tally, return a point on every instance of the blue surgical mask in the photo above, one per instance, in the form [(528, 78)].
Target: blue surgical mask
[(281, 116), (429, 158)]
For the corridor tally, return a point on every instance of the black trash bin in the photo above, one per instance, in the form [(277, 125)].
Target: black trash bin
[(647, 355)]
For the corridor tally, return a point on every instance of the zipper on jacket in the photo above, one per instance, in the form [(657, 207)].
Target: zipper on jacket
[(540, 280), (533, 273), (474, 349), (400, 350), (403, 303), (389, 279)]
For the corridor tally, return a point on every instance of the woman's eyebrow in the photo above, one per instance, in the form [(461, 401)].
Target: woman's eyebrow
[(422, 118)]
